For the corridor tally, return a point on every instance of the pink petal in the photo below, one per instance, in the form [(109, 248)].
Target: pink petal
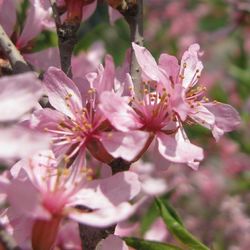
[(178, 149), (42, 60), (118, 188), (46, 118), (31, 141), (118, 112), (108, 76), (104, 217), (193, 66), (108, 192), (34, 24), (83, 86), (8, 15), (148, 64), (59, 87), (203, 116), (178, 102), (170, 64), (127, 145), (226, 118), (112, 242), (88, 10), (114, 15), (18, 95), (86, 62), (24, 197)]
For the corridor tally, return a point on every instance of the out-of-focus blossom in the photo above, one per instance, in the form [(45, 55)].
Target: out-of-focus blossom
[(153, 183), (68, 237), (19, 95), (157, 231), (39, 18), (47, 193), (83, 9)]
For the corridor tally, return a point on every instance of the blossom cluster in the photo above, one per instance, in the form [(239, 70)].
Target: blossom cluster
[(60, 155)]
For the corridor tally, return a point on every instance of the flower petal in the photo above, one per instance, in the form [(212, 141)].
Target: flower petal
[(127, 145), (118, 112), (147, 63), (191, 66), (19, 94), (8, 15), (104, 217), (31, 141), (226, 118), (62, 92), (170, 64), (179, 149)]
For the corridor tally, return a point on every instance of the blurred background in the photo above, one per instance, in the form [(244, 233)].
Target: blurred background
[(214, 202)]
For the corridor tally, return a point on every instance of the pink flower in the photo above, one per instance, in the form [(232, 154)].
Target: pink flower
[(151, 114), (19, 95), (186, 98), (39, 18), (78, 123), (42, 193)]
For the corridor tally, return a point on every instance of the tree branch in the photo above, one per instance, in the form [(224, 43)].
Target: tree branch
[(67, 38), (91, 236), (134, 17), (17, 62)]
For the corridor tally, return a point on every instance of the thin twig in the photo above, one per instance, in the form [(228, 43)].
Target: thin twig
[(17, 62), (67, 39), (134, 18)]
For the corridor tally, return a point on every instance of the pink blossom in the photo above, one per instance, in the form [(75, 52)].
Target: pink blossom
[(78, 123), (39, 18), (151, 114), (19, 95), (186, 97), (42, 193)]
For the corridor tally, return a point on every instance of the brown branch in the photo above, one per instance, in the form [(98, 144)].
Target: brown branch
[(91, 236), (17, 62), (67, 38)]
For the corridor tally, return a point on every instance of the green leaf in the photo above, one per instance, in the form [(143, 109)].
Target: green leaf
[(177, 229), (140, 244), (172, 212), (153, 213)]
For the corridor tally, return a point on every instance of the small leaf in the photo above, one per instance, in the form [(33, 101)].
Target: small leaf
[(178, 230), (140, 244), (153, 213)]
